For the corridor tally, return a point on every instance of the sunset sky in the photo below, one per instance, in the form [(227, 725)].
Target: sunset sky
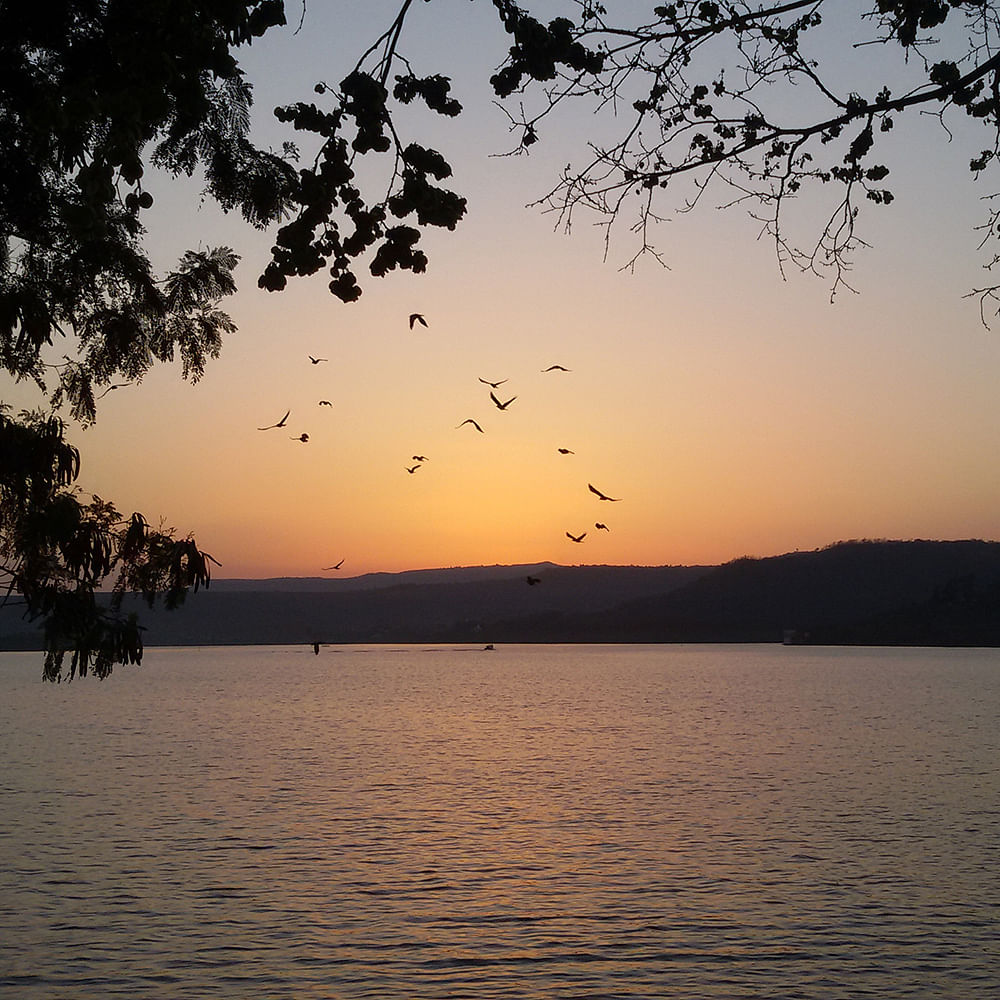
[(733, 411)]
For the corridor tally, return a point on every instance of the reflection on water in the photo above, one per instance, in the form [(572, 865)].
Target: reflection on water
[(538, 821)]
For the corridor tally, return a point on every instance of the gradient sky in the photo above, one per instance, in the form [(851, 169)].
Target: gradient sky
[(733, 411)]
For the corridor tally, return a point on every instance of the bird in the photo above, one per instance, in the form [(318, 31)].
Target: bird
[(532, 580), (493, 385), (417, 318), (280, 423), (301, 437), (502, 406), (341, 563), (412, 468), (576, 538), (474, 424), (565, 451), (325, 402), (600, 495), (419, 458), (111, 388), (555, 368), (316, 361), (601, 527)]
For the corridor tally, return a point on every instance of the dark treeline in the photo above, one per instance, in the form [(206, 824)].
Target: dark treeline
[(867, 592)]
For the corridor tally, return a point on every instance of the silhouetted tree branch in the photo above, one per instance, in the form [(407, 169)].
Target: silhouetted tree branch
[(745, 98), (91, 93), (739, 99), (57, 549)]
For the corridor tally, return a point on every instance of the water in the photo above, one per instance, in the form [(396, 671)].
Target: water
[(539, 821)]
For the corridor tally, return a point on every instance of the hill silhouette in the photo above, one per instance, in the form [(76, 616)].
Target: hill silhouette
[(866, 592), (863, 592)]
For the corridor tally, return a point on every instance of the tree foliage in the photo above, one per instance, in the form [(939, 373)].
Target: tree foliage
[(91, 93), (751, 101), (57, 548), (756, 102)]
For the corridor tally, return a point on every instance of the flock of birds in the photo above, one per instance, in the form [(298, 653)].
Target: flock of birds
[(419, 460)]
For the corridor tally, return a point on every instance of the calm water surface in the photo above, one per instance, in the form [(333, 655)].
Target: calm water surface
[(538, 821)]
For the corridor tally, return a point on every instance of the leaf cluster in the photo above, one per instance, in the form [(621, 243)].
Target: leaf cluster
[(58, 549), (539, 50), (336, 223), (91, 93)]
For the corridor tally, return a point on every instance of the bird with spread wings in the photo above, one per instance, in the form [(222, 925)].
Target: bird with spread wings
[(499, 405), (280, 423), (600, 495)]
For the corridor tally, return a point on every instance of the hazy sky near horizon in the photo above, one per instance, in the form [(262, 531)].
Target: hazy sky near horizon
[(735, 412)]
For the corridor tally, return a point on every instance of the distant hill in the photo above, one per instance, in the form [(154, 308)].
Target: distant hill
[(865, 592), (423, 605), (380, 581), (868, 592)]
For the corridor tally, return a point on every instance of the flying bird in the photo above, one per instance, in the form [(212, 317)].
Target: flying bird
[(576, 538), (532, 580), (565, 451), (474, 424), (600, 495), (412, 468), (341, 563), (419, 458), (417, 318), (555, 368), (601, 527), (502, 406), (325, 402), (280, 423), (111, 388), (493, 385), (301, 437), (316, 361)]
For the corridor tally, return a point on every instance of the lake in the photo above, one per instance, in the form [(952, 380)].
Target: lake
[(536, 821)]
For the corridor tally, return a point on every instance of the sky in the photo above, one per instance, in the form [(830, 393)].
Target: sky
[(734, 411)]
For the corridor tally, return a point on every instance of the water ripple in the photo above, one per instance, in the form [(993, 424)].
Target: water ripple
[(575, 822)]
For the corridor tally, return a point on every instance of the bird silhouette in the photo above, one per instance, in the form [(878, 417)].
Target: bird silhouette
[(502, 406), (419, 458), (341, 563), (555, 368), (493, 385), (600, 495), (565, 451), (280, 423), (412, 468), (325, 402), (301, 437), (111, 388), (576, 538), (532, 580), (474, 424), (316, 361), (417, 318), (601, 527)]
